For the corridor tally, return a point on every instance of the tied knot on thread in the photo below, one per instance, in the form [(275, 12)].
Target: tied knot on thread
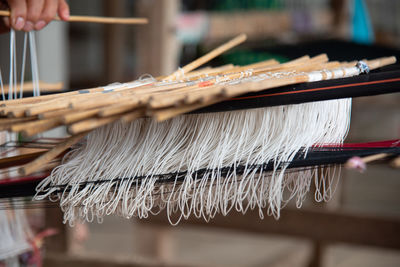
[(362, 66)]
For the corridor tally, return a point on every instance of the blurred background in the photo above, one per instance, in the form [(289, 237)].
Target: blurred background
[(343, 232)]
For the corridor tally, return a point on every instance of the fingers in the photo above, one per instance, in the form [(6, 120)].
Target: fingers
[(48, 13), (34, 11), (18, 13), (63, 10), (31, 15)]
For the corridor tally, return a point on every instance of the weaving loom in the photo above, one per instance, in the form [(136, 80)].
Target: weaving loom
[(252, 132)]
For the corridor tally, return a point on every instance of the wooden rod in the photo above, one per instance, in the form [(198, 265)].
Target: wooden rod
[(54, 113), (117, 109), (92, 19), (35, 127), (38, 163), (209, 56), (133, 115), (79, 115), (91, 124), (375, 157), (19, 159), (44, 87), (6, 124), (168, 113)]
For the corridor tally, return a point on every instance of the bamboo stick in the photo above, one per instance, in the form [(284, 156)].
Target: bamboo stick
[(44, 87), (79, 115), (168, 113), (42, 98), (18, 112), (13, 161), (35, 127), (117, 109), (133, 115), (381, 62), (6, 124), (36, 164), (15, 120), (375, 157), (38, 107), (264, 63), (92, 19), (208, 70), (216, 71), (54, 113), (361, 163), (209, 56), (52, 105), (101, 100), (91, 124)]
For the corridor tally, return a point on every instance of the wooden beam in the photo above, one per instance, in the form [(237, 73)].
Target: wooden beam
[(322, 227), (156, 43), (114, 43)]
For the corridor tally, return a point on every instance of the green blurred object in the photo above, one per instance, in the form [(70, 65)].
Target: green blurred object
[(245, 57), (230, 5)]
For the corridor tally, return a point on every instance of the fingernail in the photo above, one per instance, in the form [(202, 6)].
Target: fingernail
[(66, 14), (28, 26), (19, 23), (39, 25)]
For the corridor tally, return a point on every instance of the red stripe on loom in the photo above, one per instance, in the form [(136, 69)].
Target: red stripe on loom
[(378, 144), (319, 89)]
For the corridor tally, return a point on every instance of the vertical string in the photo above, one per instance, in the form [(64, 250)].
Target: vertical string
[(2, 87), (15, 68), (34, 65), (21, 91), (11, 79)]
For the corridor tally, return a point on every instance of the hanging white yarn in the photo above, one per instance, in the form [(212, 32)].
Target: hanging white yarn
[(189, 143)]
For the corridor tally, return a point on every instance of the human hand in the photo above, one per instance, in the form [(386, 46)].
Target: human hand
[(28, 15)]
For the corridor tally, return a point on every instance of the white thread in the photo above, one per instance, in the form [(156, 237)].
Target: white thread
[(12, 54), (34, 64), (338, 73), (113, 86), (23, 65), (315, 76), (329, 74), (350, 72), (189, 143), (2, 87)]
